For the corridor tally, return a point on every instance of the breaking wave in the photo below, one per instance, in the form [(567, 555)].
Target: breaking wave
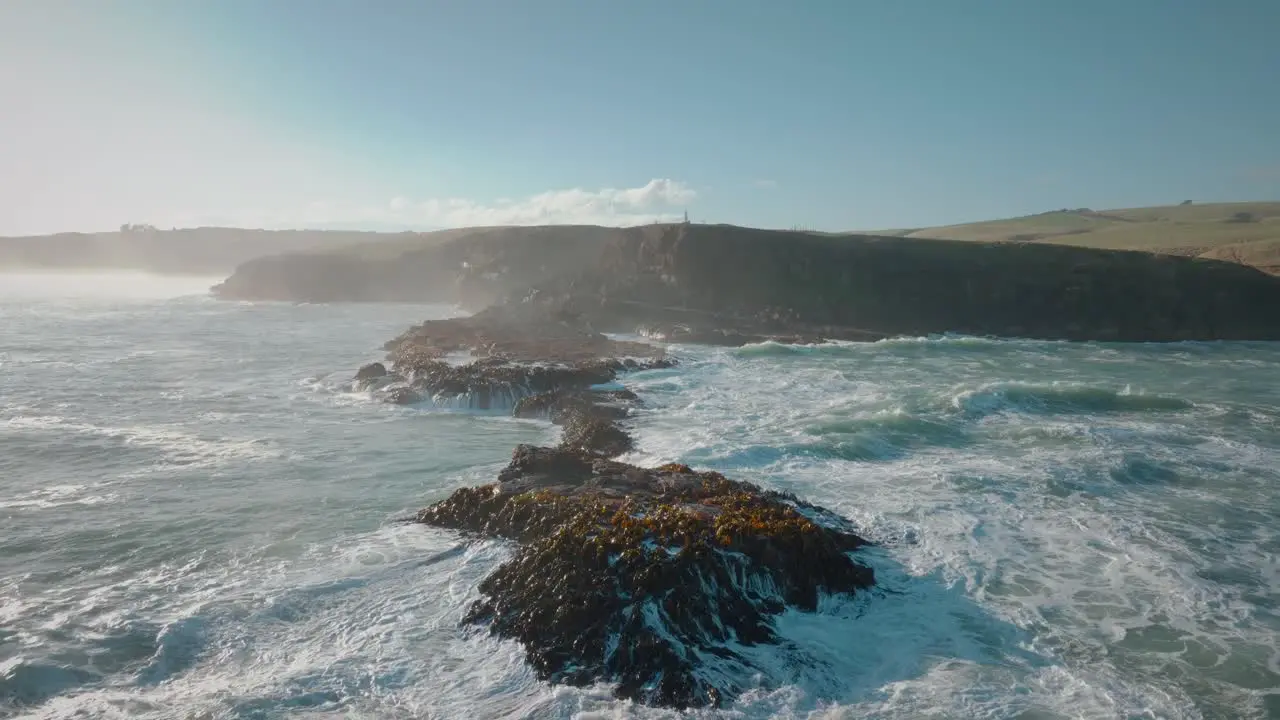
[(1057, 398)]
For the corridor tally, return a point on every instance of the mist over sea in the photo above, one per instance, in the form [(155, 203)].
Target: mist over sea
[(197, 518)]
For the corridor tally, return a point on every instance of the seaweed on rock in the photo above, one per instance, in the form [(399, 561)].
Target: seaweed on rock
[(645, 578), (636, 576)]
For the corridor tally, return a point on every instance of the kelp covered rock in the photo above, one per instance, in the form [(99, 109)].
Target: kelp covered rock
[(656, 580), (646, 578)]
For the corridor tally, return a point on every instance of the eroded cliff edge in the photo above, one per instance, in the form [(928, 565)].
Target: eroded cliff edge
[(724, 283)]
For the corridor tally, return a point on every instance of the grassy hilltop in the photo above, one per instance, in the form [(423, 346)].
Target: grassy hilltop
[(1247, 233)]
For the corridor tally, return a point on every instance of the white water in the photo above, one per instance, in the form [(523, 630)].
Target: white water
[(198, 520)]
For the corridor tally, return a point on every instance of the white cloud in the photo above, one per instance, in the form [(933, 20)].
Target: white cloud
[(656, 201), (766, 184), (659, 200)]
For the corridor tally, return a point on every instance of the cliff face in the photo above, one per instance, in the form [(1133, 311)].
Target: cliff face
[(764, 281), (473, 267), (916, 286)]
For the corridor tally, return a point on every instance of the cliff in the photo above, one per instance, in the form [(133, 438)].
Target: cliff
[(474, 266), (921, 286), (692, 280)]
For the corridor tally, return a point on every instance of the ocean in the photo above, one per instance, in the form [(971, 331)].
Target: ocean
[(199, 518)]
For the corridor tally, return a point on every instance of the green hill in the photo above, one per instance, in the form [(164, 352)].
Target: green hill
[(1247, 233)]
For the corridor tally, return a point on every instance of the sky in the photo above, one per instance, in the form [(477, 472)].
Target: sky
[(822, 114)]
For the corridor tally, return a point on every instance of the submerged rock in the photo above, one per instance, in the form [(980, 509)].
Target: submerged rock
[(498, 382), (646, 578)]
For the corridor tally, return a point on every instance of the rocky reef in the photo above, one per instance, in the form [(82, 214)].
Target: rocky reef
[(526, 332), (529, 361), (649, 579), (655, 580)]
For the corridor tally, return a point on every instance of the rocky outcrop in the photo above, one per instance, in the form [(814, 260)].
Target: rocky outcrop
[(656, 580), (517, 357), (562, 406), (526, 332), (498, 382), (650, 579)]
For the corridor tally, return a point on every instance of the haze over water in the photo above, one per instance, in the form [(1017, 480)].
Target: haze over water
[(199, 518)]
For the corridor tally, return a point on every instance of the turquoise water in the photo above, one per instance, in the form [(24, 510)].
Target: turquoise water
[(199, 518)]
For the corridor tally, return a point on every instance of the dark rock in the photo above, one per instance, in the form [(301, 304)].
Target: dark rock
[(590, 418), (646, 578), (377, 378), (498, 382), (559, 406), (540, 405), (651, 579), (524, 332), (596, 435), (531, 464), (372, 371), (623, 394), (519, 352), (403, 396)]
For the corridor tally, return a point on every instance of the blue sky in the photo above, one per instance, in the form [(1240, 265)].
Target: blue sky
[(831, 114)]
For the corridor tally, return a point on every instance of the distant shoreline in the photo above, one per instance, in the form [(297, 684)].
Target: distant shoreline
[(104, 270), (1243, 232)]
